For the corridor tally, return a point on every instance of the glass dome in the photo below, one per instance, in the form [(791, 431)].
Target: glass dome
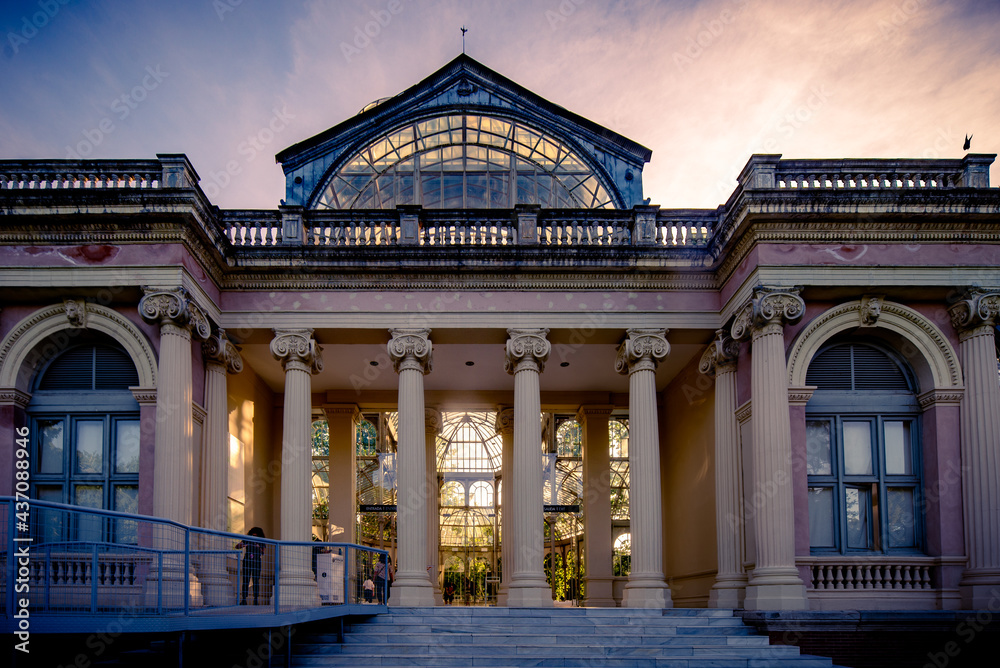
[(465, 161)]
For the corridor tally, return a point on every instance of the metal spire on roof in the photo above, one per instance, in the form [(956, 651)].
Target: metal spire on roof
[(464, 30)]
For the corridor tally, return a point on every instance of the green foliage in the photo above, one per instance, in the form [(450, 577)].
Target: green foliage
[(320, 439)]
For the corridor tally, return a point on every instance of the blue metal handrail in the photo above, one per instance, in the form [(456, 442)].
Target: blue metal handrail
[(83, 563)]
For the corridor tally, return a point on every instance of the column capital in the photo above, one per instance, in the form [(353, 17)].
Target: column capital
[(342, 409), (410, 349), (505, 420), (297, 349), (594, 410), (721, 355), (526, 349), (642, 349), (433, 421), (977, 308), (767, 309), (174, 308), (218, 349)]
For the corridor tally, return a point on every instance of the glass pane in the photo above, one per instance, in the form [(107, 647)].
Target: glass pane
[(818, 447), (127, 446), (901, 520), (857, 448), (50, 451), (858, 511), (89, 446), (50, 520), (898, 452), (126, 501), (89, 526), (821, 517)]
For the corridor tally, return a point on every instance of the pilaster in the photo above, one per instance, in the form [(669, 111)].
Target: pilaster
[(342, 501), (433, 422), (597, 505), (505, 427)]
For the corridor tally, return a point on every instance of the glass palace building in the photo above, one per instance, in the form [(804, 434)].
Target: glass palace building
[(466, 337)]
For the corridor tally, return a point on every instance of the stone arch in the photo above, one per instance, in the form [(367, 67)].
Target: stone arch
[(25, 348), (925, 348)]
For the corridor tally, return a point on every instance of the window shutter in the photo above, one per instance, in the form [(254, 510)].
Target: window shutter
[(852, 366), (90, 368)]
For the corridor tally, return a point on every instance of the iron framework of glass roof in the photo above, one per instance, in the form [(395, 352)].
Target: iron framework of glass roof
[(465, 161)]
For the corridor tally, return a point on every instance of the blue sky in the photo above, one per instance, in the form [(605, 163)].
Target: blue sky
[(702, 84)]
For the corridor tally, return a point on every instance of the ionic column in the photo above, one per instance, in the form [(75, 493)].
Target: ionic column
[(432, 427), (221, 357), (342, 501), (410, 352), (775, 583), (730, 580), (527, 350), (299, 355), (638, 356), (173, 460), (975, 318), (505, 427), (598, 548)]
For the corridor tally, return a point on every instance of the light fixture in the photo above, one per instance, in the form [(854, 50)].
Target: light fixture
[(564, 364), (470, 363)]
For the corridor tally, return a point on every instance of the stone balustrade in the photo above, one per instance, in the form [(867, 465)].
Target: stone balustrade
[(79, 174), (863, 573)]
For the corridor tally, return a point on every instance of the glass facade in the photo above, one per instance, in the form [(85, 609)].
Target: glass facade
[(465, 161)]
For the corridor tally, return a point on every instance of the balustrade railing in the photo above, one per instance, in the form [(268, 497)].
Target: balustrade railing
[(80, 174), (872, 574)]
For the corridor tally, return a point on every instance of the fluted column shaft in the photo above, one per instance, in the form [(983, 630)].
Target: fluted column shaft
[(410, 352), (505, 427), (527, 350), (730, 580), (775, 583), (975, 319), (598, 547), (638, 356), (300, 356)]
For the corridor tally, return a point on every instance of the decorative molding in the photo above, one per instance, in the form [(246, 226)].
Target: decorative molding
[(899, 319), (642, 349), (768, 307), (297, 349), (588, 411), (411, 349), (11, 396), (950, 397), (342, 409), (145, 396), (870, 310), (505, 421), (174, 308), (744, 412), (433, 420), (800, 396), (526, 349), (977, 308), (218, 349), (721, 354), (21, 346), (198, 413), (76, 313)]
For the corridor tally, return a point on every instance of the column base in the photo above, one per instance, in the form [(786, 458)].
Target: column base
[(529, 595), (502, 596), (980, 589), (297, 589), (216, 588), (170, 592), (411, 593), (778, 588), (647, 592), (728, 592), (599, 592)]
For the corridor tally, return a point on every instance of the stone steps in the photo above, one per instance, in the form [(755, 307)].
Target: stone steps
[(568, 637)]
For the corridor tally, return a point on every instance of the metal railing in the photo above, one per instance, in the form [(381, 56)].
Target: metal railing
[(70, 561)]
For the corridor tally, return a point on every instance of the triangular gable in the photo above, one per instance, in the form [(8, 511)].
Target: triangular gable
[(463, 84)]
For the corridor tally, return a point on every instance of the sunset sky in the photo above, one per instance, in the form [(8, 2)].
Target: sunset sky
[(702, 84)]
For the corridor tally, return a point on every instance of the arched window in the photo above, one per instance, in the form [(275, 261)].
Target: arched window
[(863, 454), (465, 162), (86, 435)]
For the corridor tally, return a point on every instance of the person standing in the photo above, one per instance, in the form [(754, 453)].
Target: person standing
[(252, 557)]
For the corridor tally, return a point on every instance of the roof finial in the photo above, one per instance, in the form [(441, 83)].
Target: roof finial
[(464, 30)]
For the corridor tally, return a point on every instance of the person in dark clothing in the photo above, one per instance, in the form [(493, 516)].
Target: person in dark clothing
[(383, 579), (252, 557)]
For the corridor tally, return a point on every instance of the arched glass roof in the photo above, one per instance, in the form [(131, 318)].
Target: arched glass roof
[(465, 161)]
